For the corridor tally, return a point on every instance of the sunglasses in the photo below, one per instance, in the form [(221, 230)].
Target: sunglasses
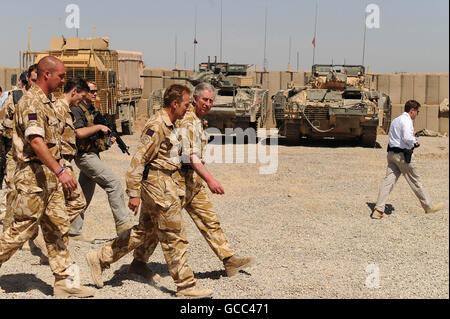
[(93, 91)]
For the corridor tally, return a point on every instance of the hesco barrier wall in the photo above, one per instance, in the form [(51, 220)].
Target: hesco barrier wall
[(429, 89), (5, 77)]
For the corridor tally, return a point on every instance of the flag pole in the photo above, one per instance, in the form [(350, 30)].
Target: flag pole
[(195, 35), (221, 30), (315, 32), (290, 49), (176, 53), (265, 42)]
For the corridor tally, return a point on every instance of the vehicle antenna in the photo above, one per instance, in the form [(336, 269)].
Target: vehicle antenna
[(265, 43)]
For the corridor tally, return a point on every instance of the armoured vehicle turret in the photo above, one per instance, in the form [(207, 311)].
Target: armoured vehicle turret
[(336, 102), (238, 102)]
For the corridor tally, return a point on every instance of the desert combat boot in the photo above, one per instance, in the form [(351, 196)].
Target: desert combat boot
[(95, 265), (377, 214), (234, 264), (63, 289), (194, 292), (140, 268), (435, 208)]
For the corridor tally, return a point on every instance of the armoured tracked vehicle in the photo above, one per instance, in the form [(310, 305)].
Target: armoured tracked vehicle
[(335, 102), (238, 102), (115, 72)]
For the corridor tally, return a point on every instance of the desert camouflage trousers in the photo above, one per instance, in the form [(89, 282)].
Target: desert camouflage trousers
[(160, 221), (38, 200), (199, 207), (74, 199), (7, 192)]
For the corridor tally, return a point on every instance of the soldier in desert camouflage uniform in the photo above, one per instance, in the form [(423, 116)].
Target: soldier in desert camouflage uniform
[(6, 129), (160, 216), (36, 243), (74, 92), (194, 176), (39, 179)]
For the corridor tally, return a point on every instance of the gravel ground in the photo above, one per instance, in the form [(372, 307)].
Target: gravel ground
[(308, 224)]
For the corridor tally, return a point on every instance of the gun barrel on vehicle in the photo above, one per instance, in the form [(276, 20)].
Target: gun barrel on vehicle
[(165, 77)]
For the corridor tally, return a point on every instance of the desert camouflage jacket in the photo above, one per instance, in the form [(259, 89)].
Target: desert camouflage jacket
[(68, 137), (159, 148), (192, 135), (36, 115)]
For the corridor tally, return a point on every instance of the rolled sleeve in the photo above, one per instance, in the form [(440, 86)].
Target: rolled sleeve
[(35, 130), (187, 135), (34, 121)]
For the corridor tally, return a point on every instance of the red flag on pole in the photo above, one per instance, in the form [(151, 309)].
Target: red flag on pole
[(314, 42)]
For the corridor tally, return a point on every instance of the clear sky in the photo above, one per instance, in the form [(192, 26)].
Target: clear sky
[(413, 35)]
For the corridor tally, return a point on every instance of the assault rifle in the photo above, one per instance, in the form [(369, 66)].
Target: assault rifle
[(100, 119)]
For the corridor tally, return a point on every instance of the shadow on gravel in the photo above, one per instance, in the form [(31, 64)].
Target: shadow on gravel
[(122, 274), (214, 275), (23, 283), (387, 210), (158, 268), (326, 142)]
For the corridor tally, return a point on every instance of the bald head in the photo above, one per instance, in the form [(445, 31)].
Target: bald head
[(48, 64), (50, 74)]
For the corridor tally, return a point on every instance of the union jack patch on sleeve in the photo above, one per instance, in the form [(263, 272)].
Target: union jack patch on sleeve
[(150, 132), (32, 117)]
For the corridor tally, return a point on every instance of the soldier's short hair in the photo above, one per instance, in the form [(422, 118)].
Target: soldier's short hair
[(91, 82), (203, 86), (78, 83), (411, 104), (175, 92), (32, 68)]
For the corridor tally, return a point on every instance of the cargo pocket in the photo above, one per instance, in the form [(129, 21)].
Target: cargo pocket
[(170, 219), (28, 202), (155, 188), (179, 183)]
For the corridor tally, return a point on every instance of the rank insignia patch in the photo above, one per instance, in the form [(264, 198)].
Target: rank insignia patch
[(150, 132), (32, 117)]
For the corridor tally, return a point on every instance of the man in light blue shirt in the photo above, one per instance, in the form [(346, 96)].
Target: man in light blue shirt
[(20, 84), (401, 160)]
